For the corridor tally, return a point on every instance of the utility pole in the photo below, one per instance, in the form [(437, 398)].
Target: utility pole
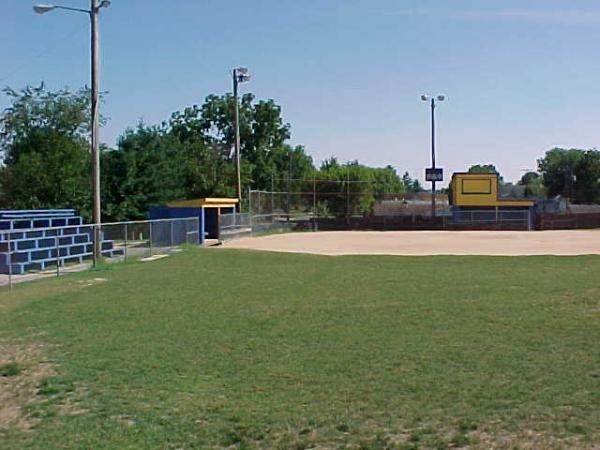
[(93, 13), (95, 50)]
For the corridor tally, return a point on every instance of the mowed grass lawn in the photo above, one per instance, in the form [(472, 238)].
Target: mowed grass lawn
[(217, 348)]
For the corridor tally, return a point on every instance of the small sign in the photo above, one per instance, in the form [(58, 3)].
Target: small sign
[(434, 174)]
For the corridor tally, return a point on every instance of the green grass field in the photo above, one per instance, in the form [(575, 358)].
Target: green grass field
[(223, 348)]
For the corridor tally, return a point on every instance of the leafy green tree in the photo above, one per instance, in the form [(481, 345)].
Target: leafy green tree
[(572, 173), (486, 168), (263, 135), (191, 155), (533, 184), (411, 184), (483, 168), (144, 170), (353, 188), (386, 181), (44, 148)]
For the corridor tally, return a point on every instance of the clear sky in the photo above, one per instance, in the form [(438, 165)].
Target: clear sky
[(520, 76)]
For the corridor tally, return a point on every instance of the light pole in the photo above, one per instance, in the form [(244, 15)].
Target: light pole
[(93, 13), (240, 75), (439, 98)]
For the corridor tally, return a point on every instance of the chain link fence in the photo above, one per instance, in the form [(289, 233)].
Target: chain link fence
[(364, 205), (31, 252), (495, 218), (234, 225), (341, 204)]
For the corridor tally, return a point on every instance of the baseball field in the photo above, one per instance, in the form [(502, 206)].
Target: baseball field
[(226, 348)]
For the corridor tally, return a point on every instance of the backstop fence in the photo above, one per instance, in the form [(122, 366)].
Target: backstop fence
[(60, 249), (312, 205)]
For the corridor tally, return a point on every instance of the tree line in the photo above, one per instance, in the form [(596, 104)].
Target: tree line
[(45, 159)]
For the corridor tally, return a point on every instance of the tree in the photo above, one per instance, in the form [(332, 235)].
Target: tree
[(146, 169), (572, 173), (190, 156), (354, 188), (486, 168), (483, 168), (533, 184), (263, 136), (411, 184), (44, 149)]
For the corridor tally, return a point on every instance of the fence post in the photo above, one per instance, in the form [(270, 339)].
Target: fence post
[(94, 241), (258, 204), (347, 194), (171, 226), (250, 209), (272, 190), (198, 228), (125, 244), (9, 260), (57, 254), (315, 202), (150, 236)]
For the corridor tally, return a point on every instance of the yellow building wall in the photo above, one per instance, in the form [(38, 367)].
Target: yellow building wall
[(480, 189)]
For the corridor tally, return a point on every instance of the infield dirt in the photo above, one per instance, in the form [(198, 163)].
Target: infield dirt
[(413, 243)]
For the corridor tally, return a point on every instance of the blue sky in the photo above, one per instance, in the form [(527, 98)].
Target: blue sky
[(520, 76)]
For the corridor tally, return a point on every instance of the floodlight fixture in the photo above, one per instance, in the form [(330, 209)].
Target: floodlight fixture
[(424, 98), (441, 98), (241, 74)]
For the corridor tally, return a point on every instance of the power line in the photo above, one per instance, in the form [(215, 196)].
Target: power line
[(41, 54)]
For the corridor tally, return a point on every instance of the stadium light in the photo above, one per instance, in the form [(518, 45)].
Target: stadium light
[(240, 75), (93, 13), (432, 99)]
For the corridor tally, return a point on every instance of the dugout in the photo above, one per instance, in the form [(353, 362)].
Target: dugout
[(208, 210)]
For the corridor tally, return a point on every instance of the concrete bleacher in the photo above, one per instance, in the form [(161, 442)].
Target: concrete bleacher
[(37, 235)]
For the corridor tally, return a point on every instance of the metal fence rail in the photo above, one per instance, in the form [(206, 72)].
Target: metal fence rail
[(234, 225), (26, 251)]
